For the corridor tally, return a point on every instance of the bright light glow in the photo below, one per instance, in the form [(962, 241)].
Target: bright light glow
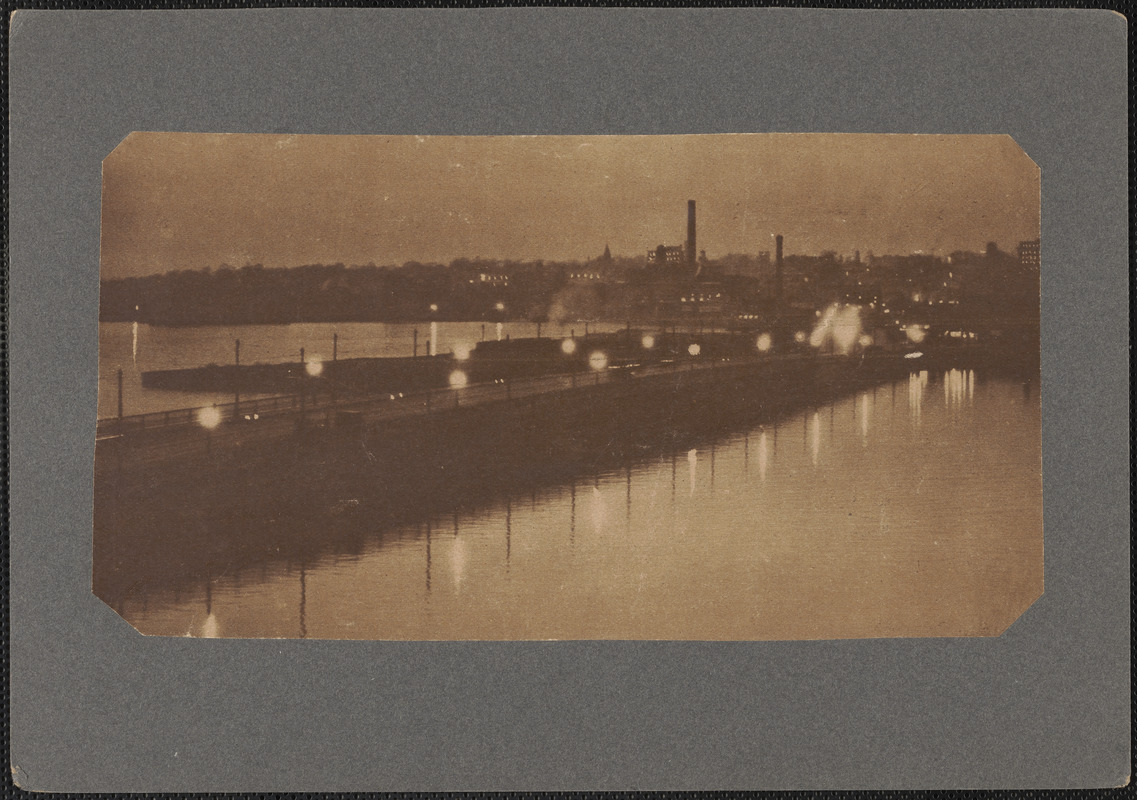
[(846, 328), (914, 333), (500, 306), (765, 342), (598, 360), (839, 325), (458, 379), (209, 417), (865, 340), (799, 337), (434, 306), (916, 354), (648, 341), (568, 347), (315, 368), (461, 352), (694, 349)]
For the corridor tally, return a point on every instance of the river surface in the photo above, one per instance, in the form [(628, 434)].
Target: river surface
[(136, 348), (911, 509)]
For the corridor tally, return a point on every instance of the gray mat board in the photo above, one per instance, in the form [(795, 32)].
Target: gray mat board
[(97, 708)]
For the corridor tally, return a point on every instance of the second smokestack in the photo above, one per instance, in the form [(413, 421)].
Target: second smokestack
[(691, 233)]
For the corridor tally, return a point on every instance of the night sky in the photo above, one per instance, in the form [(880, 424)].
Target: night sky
[(188, 200)]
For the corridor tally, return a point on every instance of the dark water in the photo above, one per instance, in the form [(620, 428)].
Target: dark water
[(912, 509)]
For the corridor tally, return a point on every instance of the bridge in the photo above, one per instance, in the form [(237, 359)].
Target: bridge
[(187, 432)]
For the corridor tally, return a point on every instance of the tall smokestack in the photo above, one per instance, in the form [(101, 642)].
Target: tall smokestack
[(778, 268), (691, 233)]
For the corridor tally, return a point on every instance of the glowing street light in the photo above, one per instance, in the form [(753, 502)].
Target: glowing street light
[(799, 337), (648, 341), (568, 347), (694, 349), (208, 417), (458, 379), (765, 342), (500, 306), (434, 306), (598, 360), (314, 368)]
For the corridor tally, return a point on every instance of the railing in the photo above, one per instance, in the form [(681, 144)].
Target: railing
[(190, 416), (412, 403)]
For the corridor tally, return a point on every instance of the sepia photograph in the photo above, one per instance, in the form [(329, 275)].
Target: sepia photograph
[(721, 387)]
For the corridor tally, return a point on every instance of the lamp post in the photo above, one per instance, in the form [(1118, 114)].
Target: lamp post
[(120, 399), (303, 386), (237, 379)]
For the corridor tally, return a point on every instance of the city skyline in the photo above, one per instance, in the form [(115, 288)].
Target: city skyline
[(188, 201)]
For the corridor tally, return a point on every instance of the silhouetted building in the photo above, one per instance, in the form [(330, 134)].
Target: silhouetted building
[(664, 254)]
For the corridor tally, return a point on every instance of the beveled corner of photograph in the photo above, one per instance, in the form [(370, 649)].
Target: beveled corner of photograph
[(699, 387)]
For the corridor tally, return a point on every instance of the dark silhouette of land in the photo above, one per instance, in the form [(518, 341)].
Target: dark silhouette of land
[(961, 288)]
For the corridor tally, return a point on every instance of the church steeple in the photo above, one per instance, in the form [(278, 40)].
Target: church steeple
[(607, 253)]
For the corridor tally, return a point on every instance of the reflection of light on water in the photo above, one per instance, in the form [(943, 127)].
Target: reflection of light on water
[(815, 437), (499, 330), (692, 465), (916, 384), (134, 343), (210, 628), (955, 388), (458, 378), (763, 456), (866, 410), (599, 511), (970, 386), (434, 338), (458, 561)]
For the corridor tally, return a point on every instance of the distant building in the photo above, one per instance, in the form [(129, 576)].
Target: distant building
[(664, 254), (702, 299), (492, 279), (1030, 254)]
